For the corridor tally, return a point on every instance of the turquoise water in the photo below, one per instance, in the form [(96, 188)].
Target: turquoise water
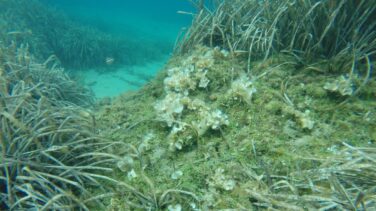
[(150, 19), (150, 24)]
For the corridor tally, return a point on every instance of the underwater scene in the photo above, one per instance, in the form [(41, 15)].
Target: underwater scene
[(176, 105)]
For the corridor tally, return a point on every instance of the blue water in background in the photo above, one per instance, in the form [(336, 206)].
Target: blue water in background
[(147, 19), (140, 21)]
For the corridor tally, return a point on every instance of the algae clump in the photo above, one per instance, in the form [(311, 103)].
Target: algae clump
[(273, 141), (266, 104)]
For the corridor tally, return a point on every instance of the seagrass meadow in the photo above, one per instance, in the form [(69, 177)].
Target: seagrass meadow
[(49, 31), (263, 105)]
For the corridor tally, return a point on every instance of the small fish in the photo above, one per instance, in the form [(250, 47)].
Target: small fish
[(109, 60)]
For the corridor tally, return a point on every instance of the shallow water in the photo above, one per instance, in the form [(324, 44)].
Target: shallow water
[(126, 78), (142, 22)]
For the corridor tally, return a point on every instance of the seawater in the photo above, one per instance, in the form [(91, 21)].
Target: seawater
[(143, 22)]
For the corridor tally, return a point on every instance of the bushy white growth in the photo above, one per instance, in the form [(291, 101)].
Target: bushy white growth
[(196, 104), (176, 174), (304, 119), (205, 61), (343, 85), (170, 107), (176, 141), (217, 118), (176, 207), (213, 119), (243, 88), (190, 75), (203, 80), (220, 181), (180, 79), (131, 174)]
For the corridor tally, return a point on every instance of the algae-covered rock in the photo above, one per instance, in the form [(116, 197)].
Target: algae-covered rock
[(212, 146)]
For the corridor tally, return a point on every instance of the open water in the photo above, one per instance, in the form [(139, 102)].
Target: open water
[(153, 23)]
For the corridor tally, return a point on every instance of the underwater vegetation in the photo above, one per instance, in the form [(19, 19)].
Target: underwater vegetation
[(48, 32), (276, 141), (342, 31), (51, 156), (265, 105)]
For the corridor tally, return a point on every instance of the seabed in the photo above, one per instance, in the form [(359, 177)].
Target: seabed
[(263, 106)]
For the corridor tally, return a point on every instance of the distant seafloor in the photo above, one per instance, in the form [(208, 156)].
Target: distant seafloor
[(142, 22), (146, 19)]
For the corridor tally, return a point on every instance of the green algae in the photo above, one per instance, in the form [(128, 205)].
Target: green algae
[(264, 142), (295, 144)]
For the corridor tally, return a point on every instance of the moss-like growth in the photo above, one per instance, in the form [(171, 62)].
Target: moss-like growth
[(269, 130), (291, 127), (298, 102)]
